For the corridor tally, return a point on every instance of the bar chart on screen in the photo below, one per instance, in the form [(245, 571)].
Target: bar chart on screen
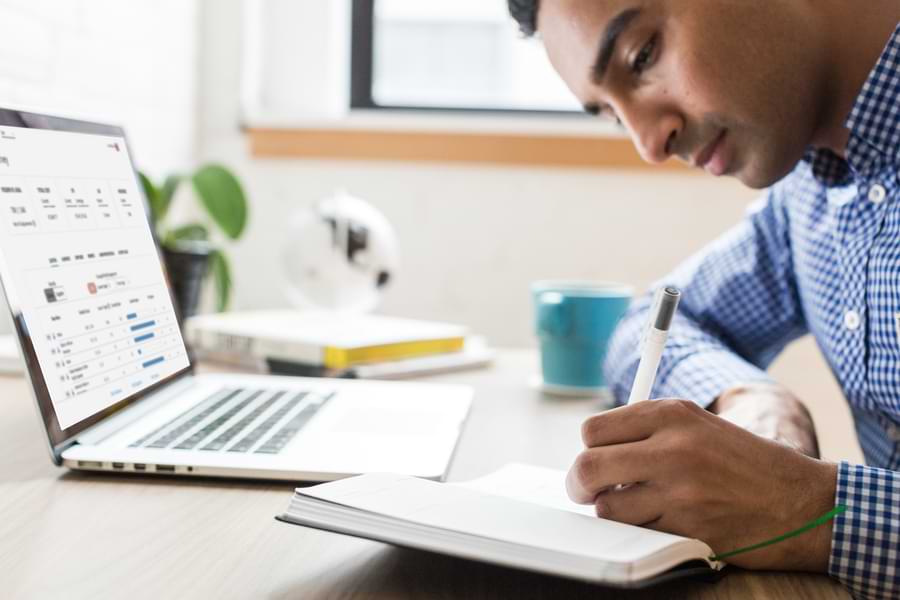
[(106, 321)]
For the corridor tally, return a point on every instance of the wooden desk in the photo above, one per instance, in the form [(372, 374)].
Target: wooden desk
[(75, 535)]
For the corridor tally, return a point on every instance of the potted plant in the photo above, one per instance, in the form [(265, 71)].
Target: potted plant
[(189, 250)]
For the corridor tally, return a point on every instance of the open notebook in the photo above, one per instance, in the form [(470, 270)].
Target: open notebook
[(518, 517)]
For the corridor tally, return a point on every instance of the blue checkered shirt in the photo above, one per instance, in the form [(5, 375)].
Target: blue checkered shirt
[(819, 254)]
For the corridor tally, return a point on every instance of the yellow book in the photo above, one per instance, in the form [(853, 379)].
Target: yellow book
[(341, 358)]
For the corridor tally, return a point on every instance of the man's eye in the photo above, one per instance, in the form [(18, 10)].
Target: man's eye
[(643, 58)]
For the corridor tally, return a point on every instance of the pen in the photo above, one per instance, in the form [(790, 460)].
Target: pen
[(660, 319)]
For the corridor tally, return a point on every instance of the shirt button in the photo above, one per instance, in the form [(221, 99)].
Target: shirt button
[(877, 194), (852, 320)]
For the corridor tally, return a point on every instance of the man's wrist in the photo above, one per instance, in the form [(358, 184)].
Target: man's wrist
[(771, 411), (811, 497)]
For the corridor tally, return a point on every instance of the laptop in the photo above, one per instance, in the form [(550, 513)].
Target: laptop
[(112, 379)]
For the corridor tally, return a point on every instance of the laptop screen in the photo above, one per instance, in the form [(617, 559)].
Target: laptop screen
[(82, 272)]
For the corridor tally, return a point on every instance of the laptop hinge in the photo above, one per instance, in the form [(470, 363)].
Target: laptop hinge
[(60, 448), (107, 427)]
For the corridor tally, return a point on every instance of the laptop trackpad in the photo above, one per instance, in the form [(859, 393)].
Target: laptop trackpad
[(364, 434), (384, 420)]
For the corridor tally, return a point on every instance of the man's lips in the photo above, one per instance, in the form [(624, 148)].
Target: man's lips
[(704, 160)]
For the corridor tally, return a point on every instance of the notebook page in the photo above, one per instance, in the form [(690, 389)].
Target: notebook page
[(529, 483), (476, 513)]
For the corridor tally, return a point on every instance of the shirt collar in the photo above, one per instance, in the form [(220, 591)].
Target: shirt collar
[(874, 124)]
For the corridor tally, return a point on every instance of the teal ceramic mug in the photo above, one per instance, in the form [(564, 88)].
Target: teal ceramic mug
[(574, 321)]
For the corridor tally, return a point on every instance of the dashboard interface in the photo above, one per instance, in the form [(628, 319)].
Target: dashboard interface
[(80, 266)]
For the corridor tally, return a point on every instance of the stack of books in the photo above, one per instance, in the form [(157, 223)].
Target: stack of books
[(321, 343)]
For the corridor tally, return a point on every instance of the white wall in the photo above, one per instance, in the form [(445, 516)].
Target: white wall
[(473, 237), (132, 63)]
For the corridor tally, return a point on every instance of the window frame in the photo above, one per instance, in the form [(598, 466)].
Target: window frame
[(362, 58)]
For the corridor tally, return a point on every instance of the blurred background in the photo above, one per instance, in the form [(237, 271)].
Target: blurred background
[(436, 113)]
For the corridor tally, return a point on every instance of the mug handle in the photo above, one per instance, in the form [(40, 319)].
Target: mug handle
[(551, 318)]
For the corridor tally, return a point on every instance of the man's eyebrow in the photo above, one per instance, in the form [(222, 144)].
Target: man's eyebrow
[(614, 29)]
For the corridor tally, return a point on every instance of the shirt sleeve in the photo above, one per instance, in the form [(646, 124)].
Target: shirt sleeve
[(865, 541), (739, 309)]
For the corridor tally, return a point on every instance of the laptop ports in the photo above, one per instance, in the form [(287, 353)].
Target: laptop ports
[(116, 465), (140, 467), (165, 468)]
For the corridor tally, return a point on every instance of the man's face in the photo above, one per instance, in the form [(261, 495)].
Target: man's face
[(733, 86)]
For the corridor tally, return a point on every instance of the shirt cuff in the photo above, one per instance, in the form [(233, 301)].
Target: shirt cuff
[(703, 376), (865, 542)]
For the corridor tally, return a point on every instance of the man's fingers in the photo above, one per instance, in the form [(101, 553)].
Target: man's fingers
[(598, 468), (634, 422), (636, 504), (619, 425)]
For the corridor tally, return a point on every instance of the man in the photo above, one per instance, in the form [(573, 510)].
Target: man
[(802, 96)]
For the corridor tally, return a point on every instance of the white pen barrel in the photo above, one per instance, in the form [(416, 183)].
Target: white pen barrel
[(646, 373)]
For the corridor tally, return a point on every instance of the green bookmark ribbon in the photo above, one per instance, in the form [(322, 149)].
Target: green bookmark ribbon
[(811, 525)]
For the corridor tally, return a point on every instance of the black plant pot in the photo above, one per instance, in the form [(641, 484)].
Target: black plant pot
[(187, 264)]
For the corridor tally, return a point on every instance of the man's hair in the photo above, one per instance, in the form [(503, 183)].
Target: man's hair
[(525, 14)]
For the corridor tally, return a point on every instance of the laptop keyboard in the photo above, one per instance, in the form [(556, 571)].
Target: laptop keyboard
[(197, 415), (250, 440), (239, 420), (229, 434)]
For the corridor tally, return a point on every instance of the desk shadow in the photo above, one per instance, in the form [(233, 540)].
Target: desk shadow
[(403, 573)]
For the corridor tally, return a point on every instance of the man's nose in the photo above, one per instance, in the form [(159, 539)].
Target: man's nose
[(655, 136)]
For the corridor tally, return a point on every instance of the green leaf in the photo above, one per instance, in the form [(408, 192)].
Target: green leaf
[(223, 197), (153, 197), (192, 231), (221, 278), (167, 192)]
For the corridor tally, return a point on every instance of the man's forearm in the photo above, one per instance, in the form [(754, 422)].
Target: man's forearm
[(770, 411)]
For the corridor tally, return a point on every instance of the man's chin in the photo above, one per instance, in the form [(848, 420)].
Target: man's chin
[(758, 179), (758, 176), (754, 181)]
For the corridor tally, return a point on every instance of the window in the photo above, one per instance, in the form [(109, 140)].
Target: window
[(459, 55)]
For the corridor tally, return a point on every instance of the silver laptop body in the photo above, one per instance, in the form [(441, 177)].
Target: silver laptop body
[(111, 377)]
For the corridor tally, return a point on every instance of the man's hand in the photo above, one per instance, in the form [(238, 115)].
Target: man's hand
[(701, 476)]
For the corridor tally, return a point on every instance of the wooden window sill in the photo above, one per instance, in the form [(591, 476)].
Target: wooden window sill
[(497, 147)]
